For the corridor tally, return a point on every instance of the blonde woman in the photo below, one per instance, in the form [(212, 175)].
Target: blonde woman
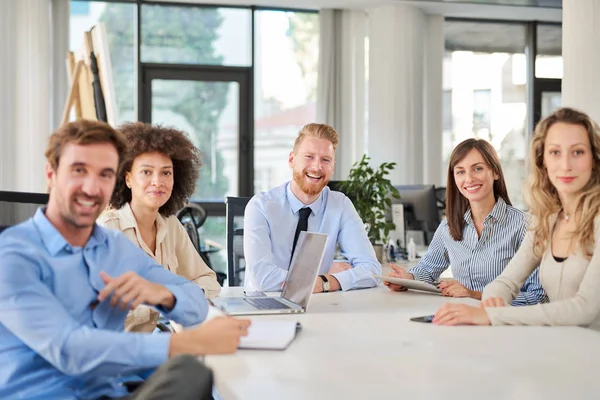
[(564, 198)]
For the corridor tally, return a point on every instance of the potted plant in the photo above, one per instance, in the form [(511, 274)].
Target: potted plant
[(371, 193)]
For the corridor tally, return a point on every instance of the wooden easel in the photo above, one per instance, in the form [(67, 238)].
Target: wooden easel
[(81, 92)]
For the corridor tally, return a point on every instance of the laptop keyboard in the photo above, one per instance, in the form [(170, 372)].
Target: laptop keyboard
[(265, 303)]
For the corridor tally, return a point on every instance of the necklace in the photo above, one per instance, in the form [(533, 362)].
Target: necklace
[(566, 216)]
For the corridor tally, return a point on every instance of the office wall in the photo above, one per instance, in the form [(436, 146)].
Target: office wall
[(27, 105), (405, 92), (342, 96), (380, 86), (581, 54)]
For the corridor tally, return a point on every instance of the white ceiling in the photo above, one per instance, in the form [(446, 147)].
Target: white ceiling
[(450, 9)]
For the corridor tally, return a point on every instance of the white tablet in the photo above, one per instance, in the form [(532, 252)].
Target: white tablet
[(410, 283)]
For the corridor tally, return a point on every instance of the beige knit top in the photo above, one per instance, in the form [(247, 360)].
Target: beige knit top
[(572, 286)]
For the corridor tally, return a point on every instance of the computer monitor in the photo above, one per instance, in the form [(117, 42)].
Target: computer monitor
[(16, 207), (336, 185), (420, 208)]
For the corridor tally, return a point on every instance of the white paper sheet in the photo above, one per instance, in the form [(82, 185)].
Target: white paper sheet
[(269, 334)]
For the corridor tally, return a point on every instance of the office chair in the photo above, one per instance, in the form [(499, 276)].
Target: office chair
[(440, 194), (192, 217), (235, 207)]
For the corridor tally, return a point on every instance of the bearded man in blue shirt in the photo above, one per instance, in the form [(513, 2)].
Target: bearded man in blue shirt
[(274, 219), (66, 285)]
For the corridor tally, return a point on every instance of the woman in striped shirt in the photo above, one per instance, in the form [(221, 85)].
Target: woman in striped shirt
[(481, 232)]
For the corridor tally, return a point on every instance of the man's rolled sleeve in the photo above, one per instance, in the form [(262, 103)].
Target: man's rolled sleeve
[(357, 248)]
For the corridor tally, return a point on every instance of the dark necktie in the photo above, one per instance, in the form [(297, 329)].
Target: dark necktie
[(302, 226)]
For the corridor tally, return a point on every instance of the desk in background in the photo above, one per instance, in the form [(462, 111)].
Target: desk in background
[(360, 345)]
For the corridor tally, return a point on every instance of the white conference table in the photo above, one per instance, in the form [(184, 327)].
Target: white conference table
[(360, 344)]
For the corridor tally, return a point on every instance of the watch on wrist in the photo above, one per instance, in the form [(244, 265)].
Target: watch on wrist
[(326, 284)]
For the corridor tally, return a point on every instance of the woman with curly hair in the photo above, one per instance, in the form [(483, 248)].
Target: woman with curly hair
[(156, 179), (564, 198)]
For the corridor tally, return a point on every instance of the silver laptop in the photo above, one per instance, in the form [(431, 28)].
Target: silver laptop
[(298, 284)]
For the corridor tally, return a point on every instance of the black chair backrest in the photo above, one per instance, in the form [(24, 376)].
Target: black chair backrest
[(192, 217), (440, 195), (235, 207), (16, 207), (194, 213), (192, 232)]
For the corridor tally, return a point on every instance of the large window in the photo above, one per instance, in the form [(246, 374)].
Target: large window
[(196, 35), (285, 82), (207, 111), (196, 70), (549, 62), (284, 68), (484, 72), (549, 67)]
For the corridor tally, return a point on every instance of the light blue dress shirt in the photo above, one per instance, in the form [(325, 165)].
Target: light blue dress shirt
[(55, 343), (476, 261), (270, 222)]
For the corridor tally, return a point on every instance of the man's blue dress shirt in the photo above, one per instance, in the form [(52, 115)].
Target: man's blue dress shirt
[(55, 341), (270, 221)]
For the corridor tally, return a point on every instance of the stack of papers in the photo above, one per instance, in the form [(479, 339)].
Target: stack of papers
[(268, 334)]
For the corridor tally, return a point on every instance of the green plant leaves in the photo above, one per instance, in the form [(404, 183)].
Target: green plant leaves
[(371, 192)]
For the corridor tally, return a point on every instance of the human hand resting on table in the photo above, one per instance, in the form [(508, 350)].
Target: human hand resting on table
[(220, 335), (397, 272), (493, 302), (453, 288), (460, 314), (334, 284)]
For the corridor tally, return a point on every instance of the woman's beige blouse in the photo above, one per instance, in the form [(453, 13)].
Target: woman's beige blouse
[(571, 286), (174, 251)]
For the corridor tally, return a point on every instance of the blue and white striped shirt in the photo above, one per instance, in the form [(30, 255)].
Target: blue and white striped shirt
[(476, 261)]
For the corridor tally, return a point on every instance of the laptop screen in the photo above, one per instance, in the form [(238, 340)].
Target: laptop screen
[(304, 267)]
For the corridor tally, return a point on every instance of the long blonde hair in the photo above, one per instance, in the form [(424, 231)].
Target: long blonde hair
[(541, 195)]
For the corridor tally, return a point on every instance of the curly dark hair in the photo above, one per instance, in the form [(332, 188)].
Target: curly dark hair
[(145, 138)]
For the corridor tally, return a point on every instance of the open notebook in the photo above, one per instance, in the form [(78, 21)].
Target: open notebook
[(269, 334), (264, 333)]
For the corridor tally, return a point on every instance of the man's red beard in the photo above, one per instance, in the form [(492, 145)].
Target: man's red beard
[(309, 188)]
